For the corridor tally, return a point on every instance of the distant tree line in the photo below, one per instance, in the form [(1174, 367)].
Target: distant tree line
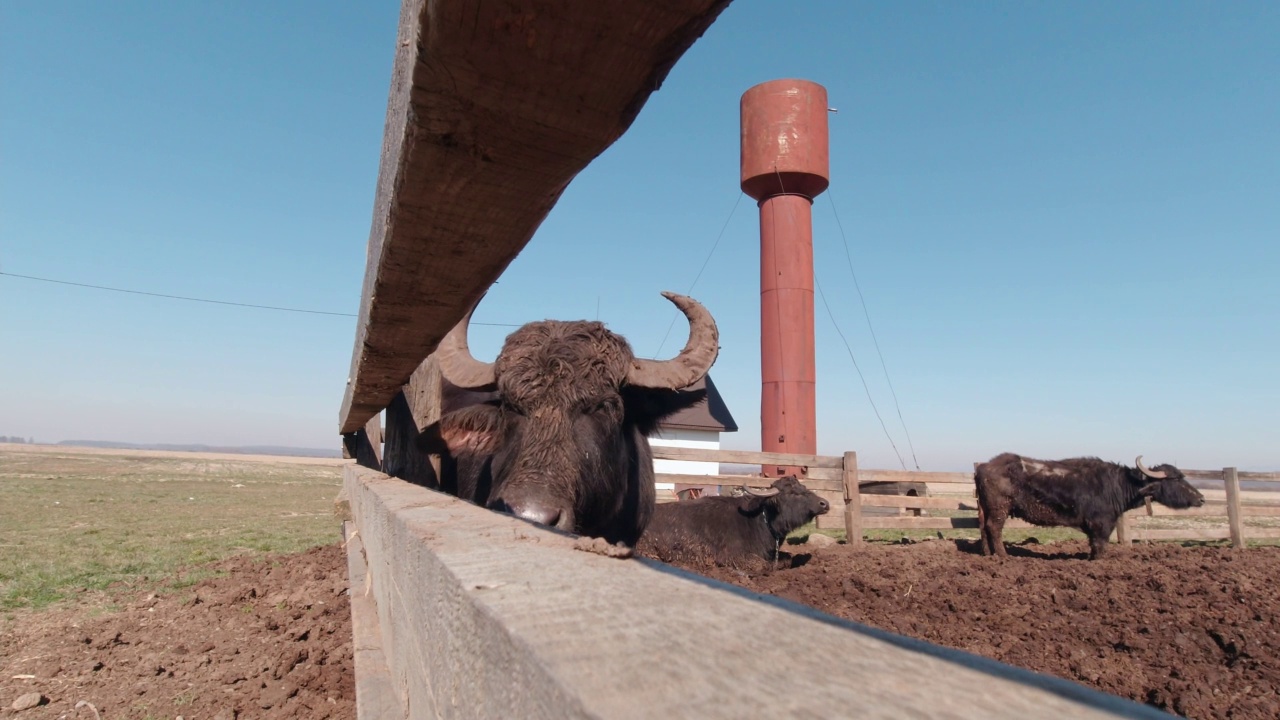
[(24, 441)]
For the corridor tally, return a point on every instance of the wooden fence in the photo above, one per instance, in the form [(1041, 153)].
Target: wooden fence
[(462, 612), (951, 496)]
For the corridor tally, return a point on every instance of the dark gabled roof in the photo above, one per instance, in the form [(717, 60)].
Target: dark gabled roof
[(711, 414)]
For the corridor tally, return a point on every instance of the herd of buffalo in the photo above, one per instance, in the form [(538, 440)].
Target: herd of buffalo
[(555, 431)]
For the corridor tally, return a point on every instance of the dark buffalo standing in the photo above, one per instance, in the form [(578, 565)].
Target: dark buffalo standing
[(563, 439), (728, 530), (1085, 493)]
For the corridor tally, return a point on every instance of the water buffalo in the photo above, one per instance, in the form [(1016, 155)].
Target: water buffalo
[(563, 441), (727, 530), (1085, 493)]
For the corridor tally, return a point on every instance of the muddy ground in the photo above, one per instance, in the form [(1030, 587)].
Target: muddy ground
[(1189, 630), (270, 639)]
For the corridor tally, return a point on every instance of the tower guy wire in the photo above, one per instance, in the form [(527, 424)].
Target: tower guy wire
[(874, 341), (696, 278), (854, 360)]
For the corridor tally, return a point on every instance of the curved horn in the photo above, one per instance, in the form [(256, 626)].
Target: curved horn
[(760, 493), (1155, 475), (694, 360), (458, 366)]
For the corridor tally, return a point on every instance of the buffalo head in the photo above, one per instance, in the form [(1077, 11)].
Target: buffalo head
[(564, 441), (1166, 485), (786, 505)]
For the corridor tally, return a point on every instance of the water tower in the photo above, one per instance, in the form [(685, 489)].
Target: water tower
[(785, 166)]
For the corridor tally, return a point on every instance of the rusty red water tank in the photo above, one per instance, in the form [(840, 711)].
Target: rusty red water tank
[(785, 164), (784, 139)]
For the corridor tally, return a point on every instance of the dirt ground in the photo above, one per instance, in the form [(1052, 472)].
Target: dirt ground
[(1190, 630), (270, 639)]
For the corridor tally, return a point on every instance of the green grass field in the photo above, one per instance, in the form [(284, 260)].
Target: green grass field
[(73, 520)]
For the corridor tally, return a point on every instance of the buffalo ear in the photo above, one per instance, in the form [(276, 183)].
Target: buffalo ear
[(1149, 489), (646, 407), (474, 430), (752, 505)]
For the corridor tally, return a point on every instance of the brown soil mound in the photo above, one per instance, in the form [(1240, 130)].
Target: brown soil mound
[(1193, 631), (1190, 630), (271, 639)]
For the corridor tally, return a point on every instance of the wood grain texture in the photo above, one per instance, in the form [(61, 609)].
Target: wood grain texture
[(748, 457), (853, 501), (1217, 475), (376, 695), (959, 478), (1234, 522), (929, 503), (753, 481), (483, 615), (493, 109)]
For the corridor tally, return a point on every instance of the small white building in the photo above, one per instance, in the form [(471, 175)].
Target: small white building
[(695, 427)]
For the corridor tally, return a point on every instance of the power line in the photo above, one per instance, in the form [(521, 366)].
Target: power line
[(204, 300), (175, 297)]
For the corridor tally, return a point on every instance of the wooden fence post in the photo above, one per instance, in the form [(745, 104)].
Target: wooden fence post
[(365, 444), (1122, 529), (852, 500), (416, 406), (1232, 481)]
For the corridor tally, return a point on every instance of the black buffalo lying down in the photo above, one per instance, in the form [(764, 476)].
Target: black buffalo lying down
[(1085, 493), (560, 436), (728, 530)]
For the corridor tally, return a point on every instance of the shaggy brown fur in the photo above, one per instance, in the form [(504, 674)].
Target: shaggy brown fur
[(730, 530), (564, 433), (1085, 493)]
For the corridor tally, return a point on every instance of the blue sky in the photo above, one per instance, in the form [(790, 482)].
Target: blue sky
[(1063, 217)]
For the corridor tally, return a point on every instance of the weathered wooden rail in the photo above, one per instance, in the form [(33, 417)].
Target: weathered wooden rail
[(463, 612)]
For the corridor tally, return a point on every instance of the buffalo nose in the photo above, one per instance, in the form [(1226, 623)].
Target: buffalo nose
[(824, 505), (536, 512)]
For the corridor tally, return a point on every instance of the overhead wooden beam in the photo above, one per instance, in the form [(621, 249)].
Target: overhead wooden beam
[(493, 109)]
